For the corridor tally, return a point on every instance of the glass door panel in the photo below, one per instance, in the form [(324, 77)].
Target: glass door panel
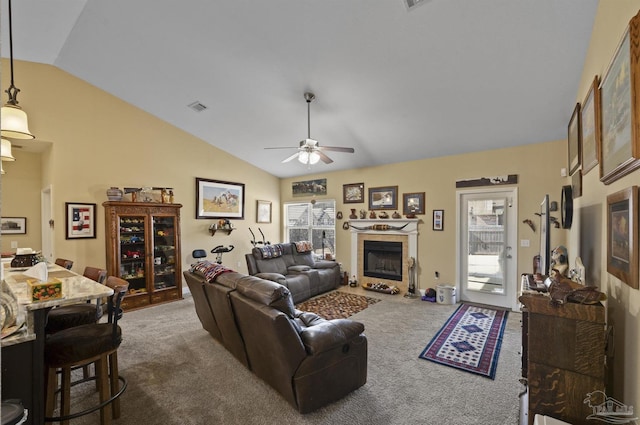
[(164, 252), (132, 252), (486, 245)]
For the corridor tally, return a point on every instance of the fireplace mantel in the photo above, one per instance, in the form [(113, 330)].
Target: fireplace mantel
[(367, 227)]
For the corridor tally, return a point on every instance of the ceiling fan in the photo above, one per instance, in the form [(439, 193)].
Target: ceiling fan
[(309, 151)]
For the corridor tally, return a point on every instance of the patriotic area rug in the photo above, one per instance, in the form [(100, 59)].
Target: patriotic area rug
[(470, 340)]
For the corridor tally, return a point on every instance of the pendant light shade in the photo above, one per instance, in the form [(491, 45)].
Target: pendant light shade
[(14, 122), (6, 151)]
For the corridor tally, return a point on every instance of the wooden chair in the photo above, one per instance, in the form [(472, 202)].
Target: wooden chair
[(83, 345), (67, 264)]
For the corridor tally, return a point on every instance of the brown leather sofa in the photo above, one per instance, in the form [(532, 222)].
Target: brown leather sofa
[(310, 361), (304, 276)]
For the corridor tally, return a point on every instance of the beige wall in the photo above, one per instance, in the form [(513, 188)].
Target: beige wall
[(100, 141), (538, 169), (588, 236), (21, 198)]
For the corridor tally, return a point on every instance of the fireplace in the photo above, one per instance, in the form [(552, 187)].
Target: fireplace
[(383, 260)]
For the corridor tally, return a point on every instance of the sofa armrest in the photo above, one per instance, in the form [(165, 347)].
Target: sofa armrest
[(298, 269), (326, 335), (325, 264), (274, 277)]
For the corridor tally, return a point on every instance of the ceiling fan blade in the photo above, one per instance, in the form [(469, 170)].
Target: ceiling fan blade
[(295, 155), (336, 149), (284, 147), (324, 157)]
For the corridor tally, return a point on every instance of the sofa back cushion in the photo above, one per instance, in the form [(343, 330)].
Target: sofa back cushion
[(269, 265), (267, 293)]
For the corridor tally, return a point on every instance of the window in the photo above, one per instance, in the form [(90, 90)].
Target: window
[(315, 222)]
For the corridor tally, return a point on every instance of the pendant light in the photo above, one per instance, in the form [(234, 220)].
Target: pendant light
[(6, 151), (13, 118)]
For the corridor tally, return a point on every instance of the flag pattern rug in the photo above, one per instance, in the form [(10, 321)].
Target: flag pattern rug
[(470, 340)]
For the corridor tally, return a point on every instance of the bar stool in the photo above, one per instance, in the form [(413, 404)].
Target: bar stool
[(82, 345), (67, 264), (67, 316)]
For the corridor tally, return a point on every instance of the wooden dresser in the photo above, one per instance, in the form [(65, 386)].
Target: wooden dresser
[(563, 357)]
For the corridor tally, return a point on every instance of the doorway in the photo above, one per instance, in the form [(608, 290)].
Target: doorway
[(46, 212), (487, 250)]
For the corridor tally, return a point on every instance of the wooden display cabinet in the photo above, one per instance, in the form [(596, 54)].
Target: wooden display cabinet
[(143, 247), (563, 357)]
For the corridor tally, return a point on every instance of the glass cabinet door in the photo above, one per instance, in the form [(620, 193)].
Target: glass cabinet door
[(132, 252), (164, 252)]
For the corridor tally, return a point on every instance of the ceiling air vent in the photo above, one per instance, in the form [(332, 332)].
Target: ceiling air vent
[(197, 106), (413, 3)]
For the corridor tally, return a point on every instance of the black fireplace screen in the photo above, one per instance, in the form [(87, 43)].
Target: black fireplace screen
[(383, 259)]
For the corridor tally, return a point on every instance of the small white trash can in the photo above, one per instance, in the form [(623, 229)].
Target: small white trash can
[(445, 294)]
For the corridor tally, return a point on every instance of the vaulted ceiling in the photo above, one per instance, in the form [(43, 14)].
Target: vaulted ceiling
[(396, 84)]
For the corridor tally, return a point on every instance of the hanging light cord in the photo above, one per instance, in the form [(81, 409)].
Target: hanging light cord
[(12, 91)]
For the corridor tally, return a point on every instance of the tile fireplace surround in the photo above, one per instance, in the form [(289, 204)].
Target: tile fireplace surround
[(369, 229)]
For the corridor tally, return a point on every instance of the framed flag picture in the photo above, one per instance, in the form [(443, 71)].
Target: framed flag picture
[(81, 220)]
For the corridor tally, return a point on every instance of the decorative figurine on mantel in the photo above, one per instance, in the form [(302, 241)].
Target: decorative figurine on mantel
[(396, 215), (353, 215), (363, 214), (372, 214), (383, 214)]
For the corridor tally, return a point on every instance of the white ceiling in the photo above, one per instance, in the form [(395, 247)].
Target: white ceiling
[(446, 77)]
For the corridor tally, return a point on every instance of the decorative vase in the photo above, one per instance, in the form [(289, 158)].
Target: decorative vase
[(114, 194), (396, 215), (372, 214), (353, 215), (383, 214)]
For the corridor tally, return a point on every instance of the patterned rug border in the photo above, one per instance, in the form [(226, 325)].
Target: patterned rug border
[(488, 359), (337, 304)]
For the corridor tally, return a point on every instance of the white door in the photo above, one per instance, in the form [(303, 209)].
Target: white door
[(47, 223), (487, 250)]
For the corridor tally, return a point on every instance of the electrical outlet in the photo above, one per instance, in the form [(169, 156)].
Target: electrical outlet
[(524, 243), (239, 264), (437, 275), (14, 244)]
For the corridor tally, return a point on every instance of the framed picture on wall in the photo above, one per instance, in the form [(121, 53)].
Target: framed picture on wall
[(622, 235), (219, 199), (413, 203), (263, 212), (80, 220), (13, 225), (590, 127), (438, 219), (620, 145), (383, 198), (353, 193), (573, 139)]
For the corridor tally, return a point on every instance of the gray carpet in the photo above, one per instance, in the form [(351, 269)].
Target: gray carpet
[(178, 374)]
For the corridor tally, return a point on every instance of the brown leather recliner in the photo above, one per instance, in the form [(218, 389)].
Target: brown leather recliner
[(310, 361)]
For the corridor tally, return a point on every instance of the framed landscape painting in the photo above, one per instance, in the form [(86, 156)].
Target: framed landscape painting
[(219, 199), (383, 198), (590, 127), (573, 138), (619, 147), (13, 226)]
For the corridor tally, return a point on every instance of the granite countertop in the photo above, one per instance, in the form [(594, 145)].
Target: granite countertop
[(75, 289)]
